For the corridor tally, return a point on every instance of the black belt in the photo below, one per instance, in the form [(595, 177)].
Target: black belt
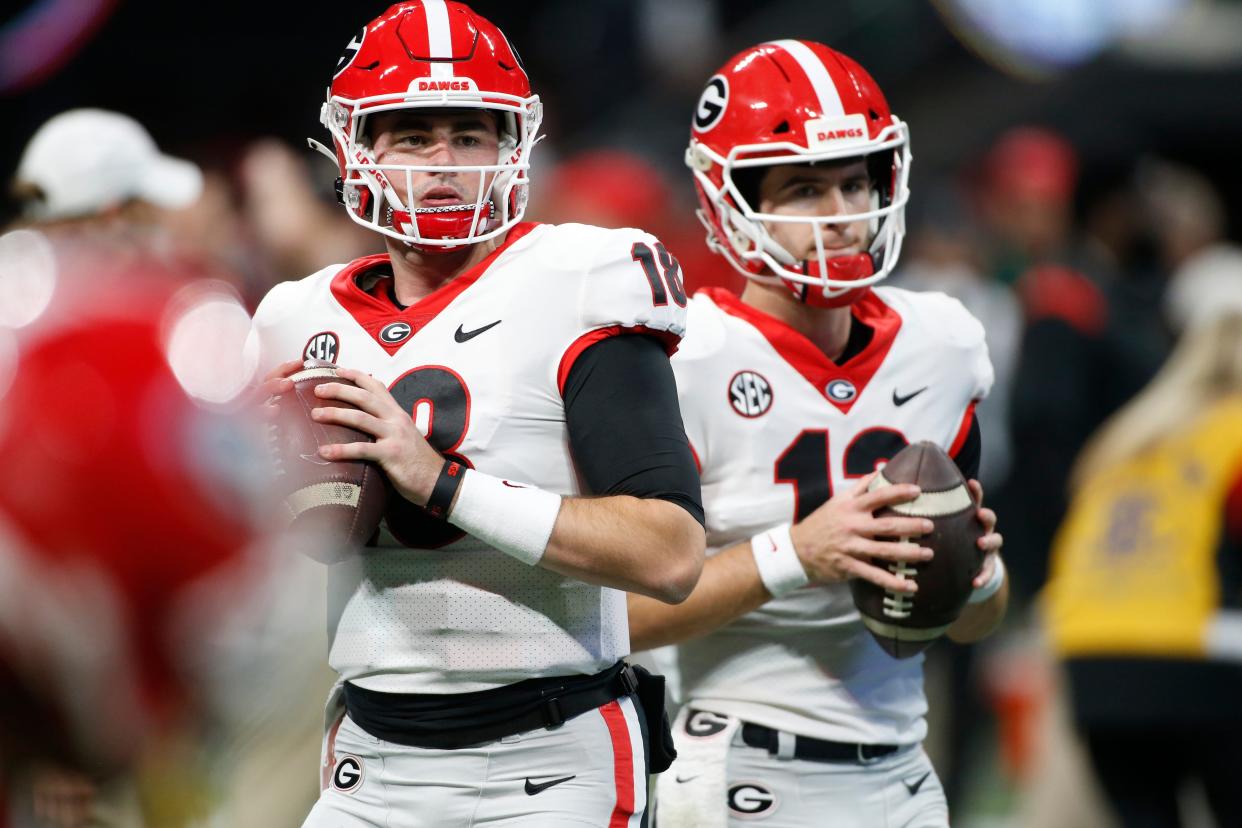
[(815, 750), (465, 719)]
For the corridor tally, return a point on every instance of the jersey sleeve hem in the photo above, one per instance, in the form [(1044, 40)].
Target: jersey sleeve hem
[(668, 339), (963, 429)]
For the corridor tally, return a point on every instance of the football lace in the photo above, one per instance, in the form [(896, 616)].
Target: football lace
[(899, 604), (273, 448)]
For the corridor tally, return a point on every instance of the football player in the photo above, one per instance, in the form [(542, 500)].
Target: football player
[(793, 395), (506, 370)]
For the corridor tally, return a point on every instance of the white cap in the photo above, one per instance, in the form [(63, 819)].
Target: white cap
[(1207, 286), (86, 160)]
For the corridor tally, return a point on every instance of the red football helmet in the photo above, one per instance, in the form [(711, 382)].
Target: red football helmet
[(422, 54), (132, 519), (798, 102)]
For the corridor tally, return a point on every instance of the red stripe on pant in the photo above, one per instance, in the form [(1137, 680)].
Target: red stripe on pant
[(623, 763), (329, 759)]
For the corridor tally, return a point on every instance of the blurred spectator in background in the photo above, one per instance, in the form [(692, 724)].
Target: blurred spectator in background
[(1146, 582), (295, 229), (97, 196), (94, 175), (1093, 334), (1188, 220), (138, 563), (1026, 194), (616, 188)]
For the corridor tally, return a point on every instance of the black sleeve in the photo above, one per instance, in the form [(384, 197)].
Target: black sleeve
[(625, 429), (970, 451)]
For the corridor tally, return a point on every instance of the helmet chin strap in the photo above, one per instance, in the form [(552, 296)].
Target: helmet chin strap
[(452, 221), (839, 269)]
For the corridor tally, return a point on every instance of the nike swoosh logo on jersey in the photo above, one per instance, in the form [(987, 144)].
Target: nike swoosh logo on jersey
[(533, 788), (913, 787), (683, 779), (461, 335), (900, 400)]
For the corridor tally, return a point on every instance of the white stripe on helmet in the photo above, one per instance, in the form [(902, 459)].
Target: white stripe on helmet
[(829, 101), (439, 38)]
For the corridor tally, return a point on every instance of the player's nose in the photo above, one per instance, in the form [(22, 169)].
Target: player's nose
[(832, 203), (440, 152)]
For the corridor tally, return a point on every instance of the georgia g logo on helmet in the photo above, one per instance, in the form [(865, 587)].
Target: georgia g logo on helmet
[(712, 103), (351, 52)]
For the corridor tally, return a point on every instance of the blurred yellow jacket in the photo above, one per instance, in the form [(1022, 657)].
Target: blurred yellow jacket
[(1134, 565)]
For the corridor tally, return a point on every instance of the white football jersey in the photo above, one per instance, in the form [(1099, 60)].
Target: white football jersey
[(777, 427), (480, 364)]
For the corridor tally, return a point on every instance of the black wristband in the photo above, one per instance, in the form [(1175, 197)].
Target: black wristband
[(445, 489)]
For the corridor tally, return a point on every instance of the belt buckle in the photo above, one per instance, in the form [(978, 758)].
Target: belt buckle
[(863, 759)]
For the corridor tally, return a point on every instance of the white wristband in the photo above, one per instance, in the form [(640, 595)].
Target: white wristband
[(993, 585), (780, 569), (515, 518)]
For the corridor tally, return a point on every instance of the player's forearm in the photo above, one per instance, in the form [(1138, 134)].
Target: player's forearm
[(728, 589), (644, 545), (977, 621)]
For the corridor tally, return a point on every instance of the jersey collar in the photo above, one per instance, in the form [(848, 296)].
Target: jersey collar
[(840, 385), (376, 314)]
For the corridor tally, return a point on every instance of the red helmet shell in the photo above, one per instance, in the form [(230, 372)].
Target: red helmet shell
[(395, 53), (794, 102), (429, 53)]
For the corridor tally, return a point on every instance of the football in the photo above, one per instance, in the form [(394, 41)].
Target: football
[(906, 624), (336, 504)]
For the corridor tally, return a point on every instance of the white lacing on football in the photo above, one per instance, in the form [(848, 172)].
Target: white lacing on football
[(929, 504), (273, 449), (899, 604)]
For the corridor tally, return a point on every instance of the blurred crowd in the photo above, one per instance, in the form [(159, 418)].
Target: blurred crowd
[(1112, 300)]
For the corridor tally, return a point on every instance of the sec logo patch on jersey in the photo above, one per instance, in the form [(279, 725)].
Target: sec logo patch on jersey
[(323, 346), (750, 394)]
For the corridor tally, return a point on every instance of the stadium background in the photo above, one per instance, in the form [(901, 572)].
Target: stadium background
[(1131, 86)]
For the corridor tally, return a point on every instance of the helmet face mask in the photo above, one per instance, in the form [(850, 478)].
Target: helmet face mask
[(437, 57), (795, 85)]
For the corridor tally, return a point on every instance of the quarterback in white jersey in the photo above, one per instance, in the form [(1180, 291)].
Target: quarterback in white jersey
[(498, 365), (792, 396)]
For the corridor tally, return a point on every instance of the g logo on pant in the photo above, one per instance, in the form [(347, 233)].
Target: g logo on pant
[(750, 799), (347, 775), (701, 724)]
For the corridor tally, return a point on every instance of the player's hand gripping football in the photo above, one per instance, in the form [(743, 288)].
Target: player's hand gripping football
[(400, 449), (837, 541), (991, 541)]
